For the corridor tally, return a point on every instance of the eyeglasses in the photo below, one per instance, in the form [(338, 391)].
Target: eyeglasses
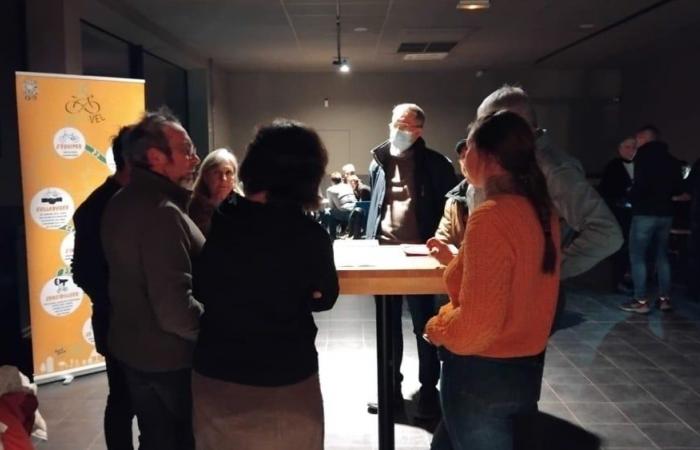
[(403, 126)]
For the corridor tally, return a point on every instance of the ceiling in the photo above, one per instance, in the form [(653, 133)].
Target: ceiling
[(300, 35)]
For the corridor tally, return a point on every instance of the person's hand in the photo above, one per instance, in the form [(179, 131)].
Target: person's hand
[(317, 295), (440, 251)]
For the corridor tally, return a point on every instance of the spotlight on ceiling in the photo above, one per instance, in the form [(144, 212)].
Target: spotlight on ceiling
[(474, 5), (343, 65)]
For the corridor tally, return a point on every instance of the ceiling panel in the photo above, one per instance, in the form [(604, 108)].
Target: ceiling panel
[(299, 35)]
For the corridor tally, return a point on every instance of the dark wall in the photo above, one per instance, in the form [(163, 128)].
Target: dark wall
[(14, 315), (665, 93)]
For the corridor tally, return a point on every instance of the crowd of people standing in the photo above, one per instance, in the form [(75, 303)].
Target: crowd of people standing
[(203, 307)]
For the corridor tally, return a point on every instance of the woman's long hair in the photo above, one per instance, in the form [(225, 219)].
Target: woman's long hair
[(508, 138), (214, 159)]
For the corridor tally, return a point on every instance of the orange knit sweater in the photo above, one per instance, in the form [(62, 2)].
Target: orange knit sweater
[(501, 303)]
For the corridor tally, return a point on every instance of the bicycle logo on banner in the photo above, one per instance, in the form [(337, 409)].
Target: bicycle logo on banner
[(77, 104)]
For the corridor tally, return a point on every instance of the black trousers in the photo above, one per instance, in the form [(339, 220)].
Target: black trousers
[(119, 412), (422, 308), (163, 405)]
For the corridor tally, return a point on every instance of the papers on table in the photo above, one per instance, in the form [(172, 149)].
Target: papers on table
[(422, 249), (353, 252)]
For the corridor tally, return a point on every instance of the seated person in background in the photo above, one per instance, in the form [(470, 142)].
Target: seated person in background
[(215, 181), (503, 288), (255, 381), (341, 201), (454, 218), (363, 193), (348, 170)]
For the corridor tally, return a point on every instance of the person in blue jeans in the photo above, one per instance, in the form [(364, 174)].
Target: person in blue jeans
[(657, 178)]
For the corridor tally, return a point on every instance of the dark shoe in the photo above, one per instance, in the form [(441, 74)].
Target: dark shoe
[(636, 306), (664, 304), (397, 403), (428, 404)]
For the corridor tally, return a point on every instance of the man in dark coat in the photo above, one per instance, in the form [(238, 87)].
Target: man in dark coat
[(409, 182), (150, 243), (657, 178), (91, 274)]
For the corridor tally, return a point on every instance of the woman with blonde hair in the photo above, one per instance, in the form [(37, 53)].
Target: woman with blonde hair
[(216, 180)]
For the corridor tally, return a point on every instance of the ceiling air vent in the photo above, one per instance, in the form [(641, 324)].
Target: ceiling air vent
[(412, 47), (425, 51)]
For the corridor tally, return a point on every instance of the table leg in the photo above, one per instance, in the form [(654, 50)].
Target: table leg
[(385, 372)]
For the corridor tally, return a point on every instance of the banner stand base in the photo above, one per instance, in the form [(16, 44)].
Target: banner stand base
[(67, 376)]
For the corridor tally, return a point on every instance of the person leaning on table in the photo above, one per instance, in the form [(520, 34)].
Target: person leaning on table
[(503, 288)]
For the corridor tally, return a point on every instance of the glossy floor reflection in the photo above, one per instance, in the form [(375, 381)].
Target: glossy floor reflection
[(632, 380)]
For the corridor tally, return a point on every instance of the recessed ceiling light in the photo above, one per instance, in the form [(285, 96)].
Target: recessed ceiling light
[(587, 26), (360, 29), (424, 56), (473, 5)]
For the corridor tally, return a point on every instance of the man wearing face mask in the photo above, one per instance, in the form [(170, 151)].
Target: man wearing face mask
[(409, 182)]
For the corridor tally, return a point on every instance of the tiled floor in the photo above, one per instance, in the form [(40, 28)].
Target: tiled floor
[(634, 381)]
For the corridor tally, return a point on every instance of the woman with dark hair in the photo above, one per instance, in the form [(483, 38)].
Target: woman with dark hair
[(263, 270), (503, 288)]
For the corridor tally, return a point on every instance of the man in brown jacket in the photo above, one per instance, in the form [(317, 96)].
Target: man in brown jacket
[(149, 243), (454, 218)]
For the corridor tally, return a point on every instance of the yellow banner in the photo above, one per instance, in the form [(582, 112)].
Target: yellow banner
[(66, 124)]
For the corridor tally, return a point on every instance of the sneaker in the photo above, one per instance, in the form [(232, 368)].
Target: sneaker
[(636, 306), (428, 404), (664, 304)]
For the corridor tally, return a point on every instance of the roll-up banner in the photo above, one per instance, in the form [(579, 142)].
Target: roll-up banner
[(66, 124)]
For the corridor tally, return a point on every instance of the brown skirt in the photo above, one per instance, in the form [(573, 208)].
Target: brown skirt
[(236, 416)]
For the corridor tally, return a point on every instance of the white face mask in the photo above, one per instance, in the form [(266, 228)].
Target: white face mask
[(400, 140)]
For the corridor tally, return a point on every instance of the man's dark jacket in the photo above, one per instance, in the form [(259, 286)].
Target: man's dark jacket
[(89, 265), (615, 184), (657, 178), (434, 177)]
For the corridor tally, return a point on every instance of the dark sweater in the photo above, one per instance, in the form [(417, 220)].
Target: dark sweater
[(89, 264), (657, 177), (615, 184), (256, 277)]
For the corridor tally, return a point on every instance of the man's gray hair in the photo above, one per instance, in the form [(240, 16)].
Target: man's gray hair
[(415, 109), (148, 133), (510, 97), (348, 168)]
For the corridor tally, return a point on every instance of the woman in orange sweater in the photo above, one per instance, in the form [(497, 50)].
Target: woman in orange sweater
[(503, 288)]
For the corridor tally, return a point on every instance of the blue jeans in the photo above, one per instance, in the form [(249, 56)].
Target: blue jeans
[(333, 217), (646, 231), (482, 398)]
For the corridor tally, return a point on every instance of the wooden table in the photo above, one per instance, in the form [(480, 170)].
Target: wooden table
[(385, 270)]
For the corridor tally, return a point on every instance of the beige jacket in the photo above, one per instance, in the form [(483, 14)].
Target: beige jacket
[(454, 218)]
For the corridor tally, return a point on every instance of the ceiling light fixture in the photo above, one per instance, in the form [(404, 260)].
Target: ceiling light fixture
[(342, 63), (474, 5)]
